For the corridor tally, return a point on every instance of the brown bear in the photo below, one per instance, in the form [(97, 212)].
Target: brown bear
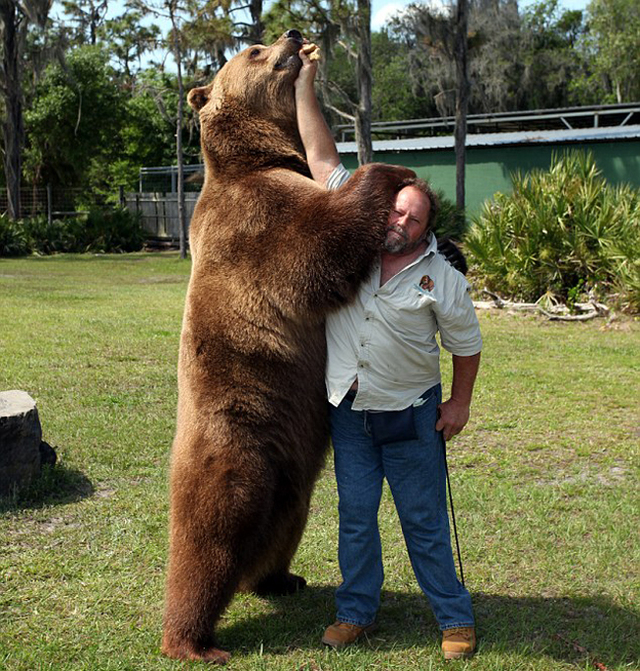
[(272, 252)]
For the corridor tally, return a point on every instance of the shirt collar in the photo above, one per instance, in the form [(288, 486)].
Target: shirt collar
[(432, 246)]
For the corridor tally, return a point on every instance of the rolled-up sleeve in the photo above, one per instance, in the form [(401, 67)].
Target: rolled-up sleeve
[(338, 177), (457, 321)]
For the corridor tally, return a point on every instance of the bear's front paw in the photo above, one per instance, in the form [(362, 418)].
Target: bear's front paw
[(390, 176)]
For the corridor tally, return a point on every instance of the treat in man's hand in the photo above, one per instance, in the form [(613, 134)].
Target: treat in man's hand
[(312, 50)]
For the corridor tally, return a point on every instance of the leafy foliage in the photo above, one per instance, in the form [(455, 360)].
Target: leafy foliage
[(114, 231), (516, 60), (451, 221), (560, 229), (13, 238), (74, 122), (101, 231), (614, 41)]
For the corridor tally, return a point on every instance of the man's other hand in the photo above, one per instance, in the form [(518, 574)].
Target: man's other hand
[(453, 417)]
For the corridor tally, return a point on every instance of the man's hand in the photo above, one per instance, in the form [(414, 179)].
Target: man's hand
[(453, 418), (307, 72), (319, 146), (454, 413)]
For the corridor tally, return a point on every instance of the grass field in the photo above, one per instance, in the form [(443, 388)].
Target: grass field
[(545, 481)]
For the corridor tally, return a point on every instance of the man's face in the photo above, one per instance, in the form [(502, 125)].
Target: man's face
[(407, 227)]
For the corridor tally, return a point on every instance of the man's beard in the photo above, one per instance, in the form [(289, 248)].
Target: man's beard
[(399, 244)]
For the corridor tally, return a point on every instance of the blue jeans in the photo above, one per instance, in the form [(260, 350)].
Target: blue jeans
[(415, 472)]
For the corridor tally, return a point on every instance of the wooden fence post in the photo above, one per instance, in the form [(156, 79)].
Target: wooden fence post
[(49, 204)]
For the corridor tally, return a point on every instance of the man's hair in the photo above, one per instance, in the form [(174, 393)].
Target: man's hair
[(424, 188)]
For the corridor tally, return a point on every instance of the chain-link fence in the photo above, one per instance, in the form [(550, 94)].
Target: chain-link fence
[(48, 201), (164, 179)]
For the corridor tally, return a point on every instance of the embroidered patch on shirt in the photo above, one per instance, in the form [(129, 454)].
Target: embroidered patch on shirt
[(426, 283)]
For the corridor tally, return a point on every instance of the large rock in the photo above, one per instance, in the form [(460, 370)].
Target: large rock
[(20, 437)]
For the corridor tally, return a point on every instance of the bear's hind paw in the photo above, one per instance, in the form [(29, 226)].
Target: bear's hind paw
[(280, 584), (187, 652)]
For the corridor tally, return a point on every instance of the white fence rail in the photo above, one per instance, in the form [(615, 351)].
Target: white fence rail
[(159, 213)]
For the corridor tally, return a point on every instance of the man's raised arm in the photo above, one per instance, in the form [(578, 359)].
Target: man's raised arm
[(322, 155)]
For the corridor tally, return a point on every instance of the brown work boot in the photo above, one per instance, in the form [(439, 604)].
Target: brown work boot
[(340, 634), (458, 642)]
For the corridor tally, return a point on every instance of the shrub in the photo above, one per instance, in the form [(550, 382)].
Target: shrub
[(559, 230), (114, 231), (13, 238), (450, 222), (61, 235)]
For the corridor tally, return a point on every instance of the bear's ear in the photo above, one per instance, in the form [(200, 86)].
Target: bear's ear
[(198, 97)]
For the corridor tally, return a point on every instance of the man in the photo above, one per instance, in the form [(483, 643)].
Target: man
[(387, 418)]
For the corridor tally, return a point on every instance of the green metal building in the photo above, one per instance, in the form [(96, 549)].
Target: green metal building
[(516, 143)]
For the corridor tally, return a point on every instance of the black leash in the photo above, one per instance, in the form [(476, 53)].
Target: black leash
[(453, 514)]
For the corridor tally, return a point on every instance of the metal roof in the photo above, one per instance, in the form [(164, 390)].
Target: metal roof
[(606, 134), (503, 122)]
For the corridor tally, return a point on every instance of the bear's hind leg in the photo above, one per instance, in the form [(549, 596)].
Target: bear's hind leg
[(280, 581), (198, 590), (217, 523)]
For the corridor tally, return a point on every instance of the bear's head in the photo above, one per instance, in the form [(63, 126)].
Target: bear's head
[(247, 114)]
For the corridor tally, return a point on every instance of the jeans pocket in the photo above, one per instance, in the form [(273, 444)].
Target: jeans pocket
[(392, 426)]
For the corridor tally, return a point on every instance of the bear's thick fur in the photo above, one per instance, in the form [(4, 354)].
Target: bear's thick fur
[(272, 252)]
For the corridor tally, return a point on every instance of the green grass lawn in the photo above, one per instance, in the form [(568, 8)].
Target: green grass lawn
[(545, 481)]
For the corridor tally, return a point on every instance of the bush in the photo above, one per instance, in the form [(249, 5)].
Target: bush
[(13, 238), (61, 235), (113, 231), (561, 229), (450, 222)]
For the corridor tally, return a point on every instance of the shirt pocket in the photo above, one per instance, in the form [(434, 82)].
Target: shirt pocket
[(411, 314)]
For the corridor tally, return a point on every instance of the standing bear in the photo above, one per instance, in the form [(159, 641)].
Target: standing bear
[(272, 252)]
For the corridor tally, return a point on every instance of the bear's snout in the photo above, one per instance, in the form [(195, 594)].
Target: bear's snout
[(294, 35)]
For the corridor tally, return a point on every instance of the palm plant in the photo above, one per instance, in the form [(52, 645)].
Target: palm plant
[(560, 229)]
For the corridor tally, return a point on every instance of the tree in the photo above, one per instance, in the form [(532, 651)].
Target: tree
[(551, 63), (74, 124), (443, 34), (515, 61), (614, 27), (393, 97), (15, 20), (210, 34), (128, 40), (88, 15), (177, 12), (462, 97)]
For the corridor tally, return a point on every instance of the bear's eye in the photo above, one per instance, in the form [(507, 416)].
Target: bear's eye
[(254, 53)]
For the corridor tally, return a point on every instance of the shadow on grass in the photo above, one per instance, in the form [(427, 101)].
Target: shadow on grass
[(56, 485), (569, 629)]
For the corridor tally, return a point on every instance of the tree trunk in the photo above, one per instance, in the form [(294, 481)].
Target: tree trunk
[(177, 54), (364, 80), (462, 99), (257, 26), (12, 128)]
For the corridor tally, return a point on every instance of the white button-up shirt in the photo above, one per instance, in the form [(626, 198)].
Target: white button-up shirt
[(386, 338)]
